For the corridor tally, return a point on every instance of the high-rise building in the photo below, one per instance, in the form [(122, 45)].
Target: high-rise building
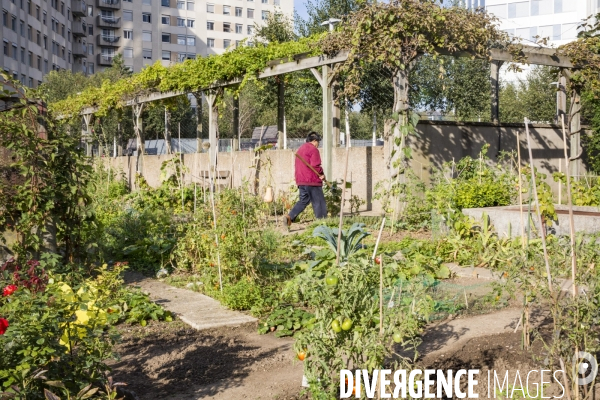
[(556, 20), (85, 35)]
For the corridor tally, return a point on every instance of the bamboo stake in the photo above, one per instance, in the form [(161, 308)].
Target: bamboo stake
[(380, 296), (214, 212), (559, 182), (520, 190), (570, 205), (339, 239), (537, 203)]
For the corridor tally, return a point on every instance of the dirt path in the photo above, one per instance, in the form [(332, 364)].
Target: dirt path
[(172, 361), (195, 309)]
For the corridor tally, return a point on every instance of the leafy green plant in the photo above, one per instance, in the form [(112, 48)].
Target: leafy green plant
[(350, 239), (242, 295), (287, 321)]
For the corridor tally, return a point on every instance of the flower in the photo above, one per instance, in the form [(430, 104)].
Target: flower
[(3, 326), (10, 289)]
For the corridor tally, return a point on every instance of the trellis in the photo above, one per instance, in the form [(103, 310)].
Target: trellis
[(331, 112)]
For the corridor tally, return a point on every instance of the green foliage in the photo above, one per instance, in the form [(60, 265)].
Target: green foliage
[(350, 239), (287, 321), (584, 192), (477, 184), (243, 295), (534, 97), (46, 201)]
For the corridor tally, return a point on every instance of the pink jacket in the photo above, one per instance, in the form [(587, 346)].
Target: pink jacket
[(304, 175)]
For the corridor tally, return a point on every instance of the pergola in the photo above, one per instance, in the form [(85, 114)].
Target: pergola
[(331, 113)]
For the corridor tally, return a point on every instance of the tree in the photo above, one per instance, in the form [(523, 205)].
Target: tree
[(394, 34), (319, 11), (533, 97), (278, 29)]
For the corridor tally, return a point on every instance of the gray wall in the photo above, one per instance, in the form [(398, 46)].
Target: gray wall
[(438, 142)]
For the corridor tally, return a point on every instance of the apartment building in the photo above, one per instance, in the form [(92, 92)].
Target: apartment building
[(556, 20), (85, 35)]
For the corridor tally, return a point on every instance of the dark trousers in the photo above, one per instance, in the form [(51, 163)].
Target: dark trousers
[(310, 195)]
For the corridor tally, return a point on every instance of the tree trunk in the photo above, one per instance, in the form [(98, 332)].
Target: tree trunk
[(395, 141)]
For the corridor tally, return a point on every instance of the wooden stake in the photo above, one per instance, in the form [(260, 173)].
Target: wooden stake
[(570, 205), (339, 239), (520, 190), (380, 296), (537, 202)]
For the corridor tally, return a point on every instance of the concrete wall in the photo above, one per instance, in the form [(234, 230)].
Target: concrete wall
[(438, 142), (366, 167)]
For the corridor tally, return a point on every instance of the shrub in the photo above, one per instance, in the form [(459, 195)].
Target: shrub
[(243, 295)]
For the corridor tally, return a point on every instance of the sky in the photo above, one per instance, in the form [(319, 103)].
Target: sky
[(300, 8)]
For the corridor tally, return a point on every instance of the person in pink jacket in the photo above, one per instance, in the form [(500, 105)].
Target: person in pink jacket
[(309, 179)]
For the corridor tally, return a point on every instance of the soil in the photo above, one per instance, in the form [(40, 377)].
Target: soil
[(173, 361)]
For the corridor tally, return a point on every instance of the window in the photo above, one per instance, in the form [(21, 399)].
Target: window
[(14, 51), (39, 63), (190, 23), (22, 28), (181, 57), (127, 34), (29, 32), (210, 8), (210, 42), (181, 39), (538, 7), (250, 13), (62, 30), (191, 40), (90, 11), (265, 15), (45, 42), (127, 15), (38, 38), (180, 21), (265, 1), (69, 57), (250, 29), (181, 5), (166, 37), (561, 6), (226, 10), (166, 55), (23, 55), (37, 12), (498, 10), (226, 43), (526, 33), (569, 31), (6, 51), (238, 28), (46, 66), (147, 2), (147, 36), (13, 23), (238, 11), (190, 6), (4, 18), (62, 53), (210, 25), (165, 3), (128, 52), (147, 54), (44, 15), (90, 49), (165, 19), (147, 17), (226, 27), (91, 28), (550, 31), (237, 43), (30, 59), (90, 68), (62, 8)]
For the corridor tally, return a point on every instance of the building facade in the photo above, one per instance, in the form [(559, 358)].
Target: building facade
[(556, 20), (85, 35)]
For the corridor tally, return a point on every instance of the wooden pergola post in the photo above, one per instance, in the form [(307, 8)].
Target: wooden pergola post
[(213, 126), (137, 128), (280, 110), (236, 124), (324, 78), (198, 96), (495, 90)]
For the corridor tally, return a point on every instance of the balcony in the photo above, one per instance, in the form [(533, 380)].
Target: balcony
[(103, 21), (79, 50), (105, 59), (112, 41), (79, 29), (78, 8), (109, 4)]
